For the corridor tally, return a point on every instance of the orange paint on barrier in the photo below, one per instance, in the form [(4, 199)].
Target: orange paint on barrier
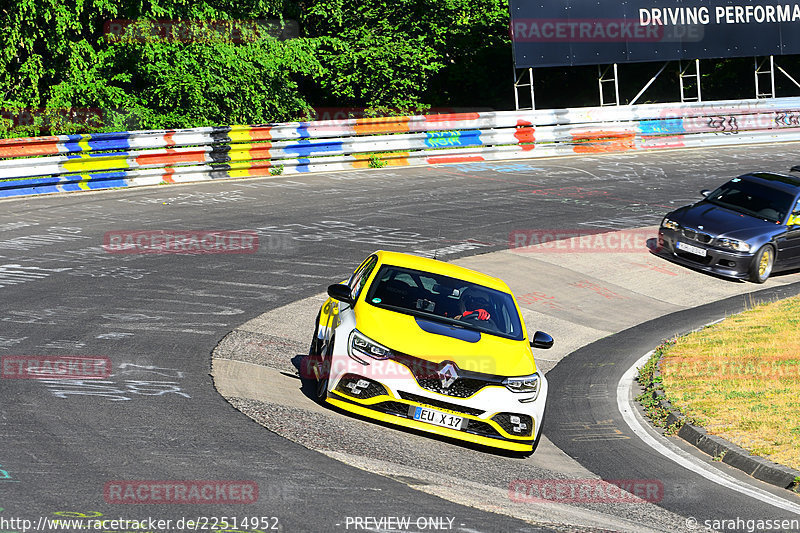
[(381, 125), (167, 176), (452, 117), (168, 138), (261, 134), (171, 157), (28, 150), (525, 135), (396, 159), (591, 142)]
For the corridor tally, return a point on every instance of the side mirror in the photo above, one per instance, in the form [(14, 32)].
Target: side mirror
[(542, 340), (705, 193), (341, 292)]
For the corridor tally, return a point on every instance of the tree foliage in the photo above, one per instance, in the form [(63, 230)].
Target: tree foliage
[(59, 56)]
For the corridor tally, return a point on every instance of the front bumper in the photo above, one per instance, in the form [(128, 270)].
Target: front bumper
[(725, 263), (493, 417)]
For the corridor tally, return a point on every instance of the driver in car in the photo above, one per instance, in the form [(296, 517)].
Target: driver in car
[(474, 302)]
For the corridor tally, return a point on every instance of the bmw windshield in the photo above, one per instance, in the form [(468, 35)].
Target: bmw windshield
[(445, 299), (752, 199)]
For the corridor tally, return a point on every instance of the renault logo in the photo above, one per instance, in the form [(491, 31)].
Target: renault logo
[(448, 375)]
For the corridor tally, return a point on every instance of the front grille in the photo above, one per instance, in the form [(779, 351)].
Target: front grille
[(515, 424), (481, 428), (461, 388), (429, 376), (358, 387), (698, 236), (440, 404)]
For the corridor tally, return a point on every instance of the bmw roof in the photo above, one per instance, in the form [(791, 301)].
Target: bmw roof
[(782, 182)]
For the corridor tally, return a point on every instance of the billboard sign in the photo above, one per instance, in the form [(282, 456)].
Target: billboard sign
[(554, 33)]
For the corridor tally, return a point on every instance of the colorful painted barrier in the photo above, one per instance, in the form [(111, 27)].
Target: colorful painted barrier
[(66, 163)]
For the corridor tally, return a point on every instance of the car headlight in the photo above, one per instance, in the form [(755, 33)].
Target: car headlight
[(734, 244), (524, 384), (670, 224), (360, 344)]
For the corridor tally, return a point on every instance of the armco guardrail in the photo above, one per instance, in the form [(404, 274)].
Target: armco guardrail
[(124, 159)]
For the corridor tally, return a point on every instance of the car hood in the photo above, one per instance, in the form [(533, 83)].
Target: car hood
[(721, 222), (416, 336)]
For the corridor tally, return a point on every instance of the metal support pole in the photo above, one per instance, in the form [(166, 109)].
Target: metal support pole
[(697, 71), (601, 79), (519, 84), (530, 80), (760, 72), (649, 83), (682, 75)]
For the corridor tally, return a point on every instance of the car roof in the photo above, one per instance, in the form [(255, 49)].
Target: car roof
[(782, 182), (435, 266)]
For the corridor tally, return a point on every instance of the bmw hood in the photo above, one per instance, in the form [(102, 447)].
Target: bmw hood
[(438, 342), (721, 222)]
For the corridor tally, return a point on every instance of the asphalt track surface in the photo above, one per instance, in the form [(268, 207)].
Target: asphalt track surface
[(158, 317)]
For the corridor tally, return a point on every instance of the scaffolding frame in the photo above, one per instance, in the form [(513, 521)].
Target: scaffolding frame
[(689, 77)]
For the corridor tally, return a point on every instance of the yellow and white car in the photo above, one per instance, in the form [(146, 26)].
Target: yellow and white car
[(431, 346)]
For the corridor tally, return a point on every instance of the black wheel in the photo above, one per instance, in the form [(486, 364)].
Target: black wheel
[(323, 373), (761, 266)]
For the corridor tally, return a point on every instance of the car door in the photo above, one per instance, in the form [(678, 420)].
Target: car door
[(790, 253)]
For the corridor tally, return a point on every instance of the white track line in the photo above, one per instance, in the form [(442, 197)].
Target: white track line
[(684, 459)]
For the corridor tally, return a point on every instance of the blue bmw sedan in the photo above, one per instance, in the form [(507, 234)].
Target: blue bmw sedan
[(746, 229)]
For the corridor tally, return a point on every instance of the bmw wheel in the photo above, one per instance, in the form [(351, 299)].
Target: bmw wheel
[(761, 266)]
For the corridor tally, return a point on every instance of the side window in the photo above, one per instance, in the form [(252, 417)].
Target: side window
[(360, 277)]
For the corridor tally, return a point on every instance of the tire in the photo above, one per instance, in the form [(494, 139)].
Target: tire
[(324, 367), (761, 266)]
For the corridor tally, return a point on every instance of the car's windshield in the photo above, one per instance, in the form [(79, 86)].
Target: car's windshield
[(752, 199), (445, 299)]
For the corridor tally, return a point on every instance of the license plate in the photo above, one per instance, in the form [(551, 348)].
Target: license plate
[(696, 250), (438, 418)]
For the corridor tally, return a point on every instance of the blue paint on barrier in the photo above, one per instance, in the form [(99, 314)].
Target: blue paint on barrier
[(302, 165), (307, 148), (672, 126), (112, 154), (444, 139)]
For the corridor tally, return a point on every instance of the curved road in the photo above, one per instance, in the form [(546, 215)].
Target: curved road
[(158, 317)]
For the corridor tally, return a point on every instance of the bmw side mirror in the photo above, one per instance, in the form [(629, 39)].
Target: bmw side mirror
[(542, 340), (341, 292), (705, 193)]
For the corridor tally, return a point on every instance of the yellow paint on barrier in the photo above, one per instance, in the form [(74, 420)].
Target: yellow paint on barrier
[(84, 144), (84, 163)]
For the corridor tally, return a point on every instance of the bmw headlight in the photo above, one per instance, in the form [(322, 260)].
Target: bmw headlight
[(670, 224), (734, 244), (524, 384), (360, 344)]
